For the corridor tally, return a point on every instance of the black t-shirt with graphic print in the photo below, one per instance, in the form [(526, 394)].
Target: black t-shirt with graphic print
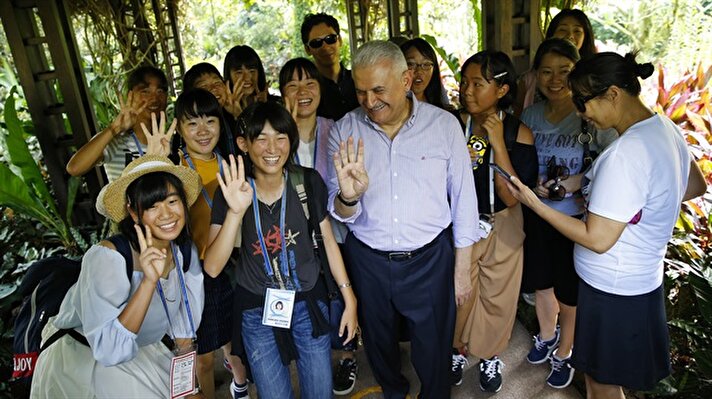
[(251, 273)]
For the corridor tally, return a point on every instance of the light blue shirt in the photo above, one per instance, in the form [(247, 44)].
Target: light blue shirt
[(92, 306), (419, 183)]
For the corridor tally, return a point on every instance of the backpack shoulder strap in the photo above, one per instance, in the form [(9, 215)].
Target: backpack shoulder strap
[(301, 185), (124, 248), (511, 130)]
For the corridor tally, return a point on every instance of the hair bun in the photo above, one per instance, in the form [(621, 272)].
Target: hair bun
[(644, 70)]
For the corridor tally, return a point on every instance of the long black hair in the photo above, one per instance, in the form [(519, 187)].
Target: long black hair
[(434, 90), (304, 68), (588, 47), (145, 191), (246, 56), (195, 103), (253, 119), (603, 70)]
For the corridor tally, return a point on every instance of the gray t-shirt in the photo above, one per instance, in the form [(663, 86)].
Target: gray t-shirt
[(561, 140)]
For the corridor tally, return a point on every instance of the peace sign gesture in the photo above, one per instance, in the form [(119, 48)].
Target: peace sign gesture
[(235, 97), (159, 139), (151, 259), (350, 170), (291, 105), (235, 189)]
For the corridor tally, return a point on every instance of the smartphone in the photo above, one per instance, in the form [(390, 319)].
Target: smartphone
[(501, 171)]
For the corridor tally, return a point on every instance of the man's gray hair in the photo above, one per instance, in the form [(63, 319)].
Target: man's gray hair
[(375, 51)]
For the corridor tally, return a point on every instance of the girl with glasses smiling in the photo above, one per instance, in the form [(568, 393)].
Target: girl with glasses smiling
[(421, 59), (633, 193)]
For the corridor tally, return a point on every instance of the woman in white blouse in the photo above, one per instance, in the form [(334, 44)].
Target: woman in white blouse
[(125, 313)]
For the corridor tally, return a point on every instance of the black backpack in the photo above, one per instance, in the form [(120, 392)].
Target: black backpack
[(43, 289)]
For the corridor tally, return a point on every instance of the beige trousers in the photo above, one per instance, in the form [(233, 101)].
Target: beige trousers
[(484, 323)]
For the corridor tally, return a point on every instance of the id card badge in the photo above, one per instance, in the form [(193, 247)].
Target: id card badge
[(279, 305), (183, 375)]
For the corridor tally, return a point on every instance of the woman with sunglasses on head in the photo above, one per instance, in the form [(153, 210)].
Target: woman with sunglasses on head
[(633, 193), (566, 145), (484, 323), (422, 61), (569, 24)]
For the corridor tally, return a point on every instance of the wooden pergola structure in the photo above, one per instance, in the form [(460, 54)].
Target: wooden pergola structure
[(49, 67)]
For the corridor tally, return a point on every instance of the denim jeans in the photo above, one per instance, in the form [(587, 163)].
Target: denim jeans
[(336, 310), (271, 376)]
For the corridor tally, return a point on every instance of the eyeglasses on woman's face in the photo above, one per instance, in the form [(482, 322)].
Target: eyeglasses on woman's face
[(425, 66), (580, 101), (319, 41)]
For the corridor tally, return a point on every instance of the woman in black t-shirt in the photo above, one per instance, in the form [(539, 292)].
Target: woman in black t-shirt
[(282, 301)]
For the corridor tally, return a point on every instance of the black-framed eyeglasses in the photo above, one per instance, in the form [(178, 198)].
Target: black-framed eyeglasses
[(318, 42), (580, 101), (426, 66)]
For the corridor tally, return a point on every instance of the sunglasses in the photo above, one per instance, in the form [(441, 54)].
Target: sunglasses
[(580, 101), (328, 39)]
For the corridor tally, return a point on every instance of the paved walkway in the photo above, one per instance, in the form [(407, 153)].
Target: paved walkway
[(521, 379)]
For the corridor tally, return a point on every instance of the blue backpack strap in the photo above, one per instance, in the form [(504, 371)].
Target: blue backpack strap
[(124, 248)]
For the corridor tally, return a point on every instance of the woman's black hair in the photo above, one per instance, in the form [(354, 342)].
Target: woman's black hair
[(196, 103), (145, 191), (588, 47), (253, 119), (496, 65), (556, 46), (196, 72), (603, 70), (246, 56), (434, 90), (304, 68)]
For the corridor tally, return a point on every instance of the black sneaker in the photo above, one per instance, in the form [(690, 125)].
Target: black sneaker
[(491, 374), (458, 364), (345, 376)]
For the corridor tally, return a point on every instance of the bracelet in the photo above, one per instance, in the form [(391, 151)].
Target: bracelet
[(343, 200), (345, 285)]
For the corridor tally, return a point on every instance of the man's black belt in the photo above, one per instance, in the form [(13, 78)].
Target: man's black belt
[(398, 256)]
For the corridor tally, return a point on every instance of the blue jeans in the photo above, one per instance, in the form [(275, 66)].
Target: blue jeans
[(336, 310), (271, 376)]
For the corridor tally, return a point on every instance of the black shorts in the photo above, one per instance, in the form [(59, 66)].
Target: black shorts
[(622, 340), (548, 260), (216, 324)]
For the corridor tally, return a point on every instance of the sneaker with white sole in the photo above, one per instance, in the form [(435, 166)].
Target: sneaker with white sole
[(491, 374), (458, 365), (562, 373), (541, 351), (238, 391), (529, 298), (345, 376)]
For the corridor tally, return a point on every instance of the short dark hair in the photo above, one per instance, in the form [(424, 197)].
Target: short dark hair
[(246, 56), (312, 20), (140, 74), (496, 65), (588, 47), (603, 70), (434, 90), (302, 66), (145, 191), (253, 119), (560, 47), (195, 103), (196, 72)]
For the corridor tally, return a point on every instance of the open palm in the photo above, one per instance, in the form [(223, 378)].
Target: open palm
[(235, 189), (350, 170)]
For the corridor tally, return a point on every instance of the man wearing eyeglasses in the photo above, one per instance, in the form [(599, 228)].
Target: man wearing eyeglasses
[(321, 38)]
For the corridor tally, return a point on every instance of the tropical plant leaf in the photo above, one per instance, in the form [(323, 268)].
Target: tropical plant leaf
[(19, 155), (452, 62), (701, 281), (72, 188), (703, 358), (15, 194), (688, 328)]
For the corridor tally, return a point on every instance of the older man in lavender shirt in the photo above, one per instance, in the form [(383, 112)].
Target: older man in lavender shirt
[(402, 182)]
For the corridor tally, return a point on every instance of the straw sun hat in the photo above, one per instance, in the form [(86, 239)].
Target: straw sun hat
[(111, 201)]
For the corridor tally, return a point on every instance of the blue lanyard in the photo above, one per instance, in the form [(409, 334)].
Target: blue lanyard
[(179, 270), (285, 266), (138, 143), (190, 164), (316, 145)]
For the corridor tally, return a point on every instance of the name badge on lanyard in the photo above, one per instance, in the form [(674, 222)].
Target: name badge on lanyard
[(183, 362), (284, 283)]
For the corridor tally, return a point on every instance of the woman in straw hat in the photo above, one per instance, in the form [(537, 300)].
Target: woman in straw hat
[(124, 313)]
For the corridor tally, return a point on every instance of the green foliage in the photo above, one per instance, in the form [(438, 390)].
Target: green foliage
[(450, 59)]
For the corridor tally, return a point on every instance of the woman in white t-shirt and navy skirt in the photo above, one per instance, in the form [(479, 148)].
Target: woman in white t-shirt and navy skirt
[(633, 193)]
